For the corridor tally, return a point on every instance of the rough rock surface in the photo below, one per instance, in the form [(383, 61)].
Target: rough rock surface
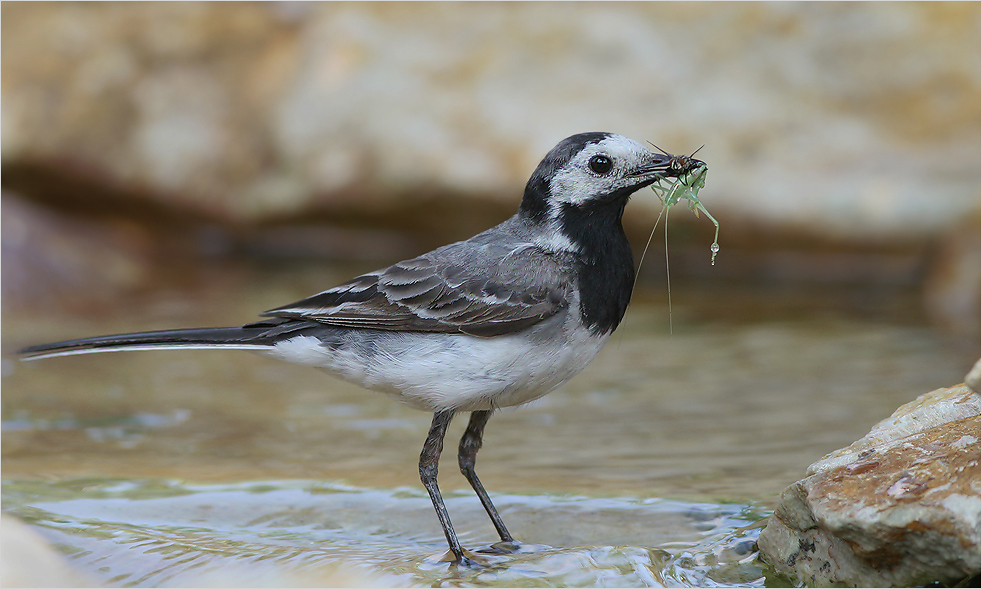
[(899, 508)]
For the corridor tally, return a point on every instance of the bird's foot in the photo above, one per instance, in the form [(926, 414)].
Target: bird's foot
[(485, 556), (503, 547), (512, 547), (465, 559)]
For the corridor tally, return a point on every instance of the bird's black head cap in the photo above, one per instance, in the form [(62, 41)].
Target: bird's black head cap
[(535, 202)]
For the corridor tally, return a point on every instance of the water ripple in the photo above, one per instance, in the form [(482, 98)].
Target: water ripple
[(300, 533)]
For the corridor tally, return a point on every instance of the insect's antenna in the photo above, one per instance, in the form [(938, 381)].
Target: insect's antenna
[(645, 250), (660, 149), (668, 277), (696, 151)]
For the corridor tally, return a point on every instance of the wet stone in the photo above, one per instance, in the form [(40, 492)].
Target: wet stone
[(901, 507)]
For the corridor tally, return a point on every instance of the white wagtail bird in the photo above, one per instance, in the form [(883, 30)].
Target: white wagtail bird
[(495, 321)]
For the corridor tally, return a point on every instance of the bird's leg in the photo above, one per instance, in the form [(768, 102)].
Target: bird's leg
[(470, 443), (429, 465)]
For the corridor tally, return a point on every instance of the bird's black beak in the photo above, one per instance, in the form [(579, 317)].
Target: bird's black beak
[(666, 165), (659, 166)]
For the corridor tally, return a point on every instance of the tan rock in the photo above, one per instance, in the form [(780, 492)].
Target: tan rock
[(28, 560), (845, 119), (900, 507)]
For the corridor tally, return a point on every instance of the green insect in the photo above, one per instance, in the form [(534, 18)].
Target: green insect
[(690, 179)]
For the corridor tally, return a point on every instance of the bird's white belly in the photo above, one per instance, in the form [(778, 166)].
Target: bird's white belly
[(436, 371)]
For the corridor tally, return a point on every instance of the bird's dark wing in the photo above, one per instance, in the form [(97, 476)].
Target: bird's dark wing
[(485, 288)]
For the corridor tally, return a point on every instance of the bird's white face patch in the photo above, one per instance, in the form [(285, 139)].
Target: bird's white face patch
[(578, 182)]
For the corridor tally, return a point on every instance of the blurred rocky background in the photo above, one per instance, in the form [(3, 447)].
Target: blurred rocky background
[(139, 139)]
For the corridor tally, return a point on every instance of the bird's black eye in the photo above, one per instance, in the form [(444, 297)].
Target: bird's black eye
[(601, 164)]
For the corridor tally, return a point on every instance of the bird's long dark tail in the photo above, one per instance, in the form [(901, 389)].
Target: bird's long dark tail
[(255, 336)]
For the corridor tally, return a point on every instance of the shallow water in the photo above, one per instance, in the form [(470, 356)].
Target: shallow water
[(166, 533), (654, 467)]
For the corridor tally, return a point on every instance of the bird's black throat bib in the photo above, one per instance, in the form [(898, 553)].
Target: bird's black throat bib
[(606, 263)]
